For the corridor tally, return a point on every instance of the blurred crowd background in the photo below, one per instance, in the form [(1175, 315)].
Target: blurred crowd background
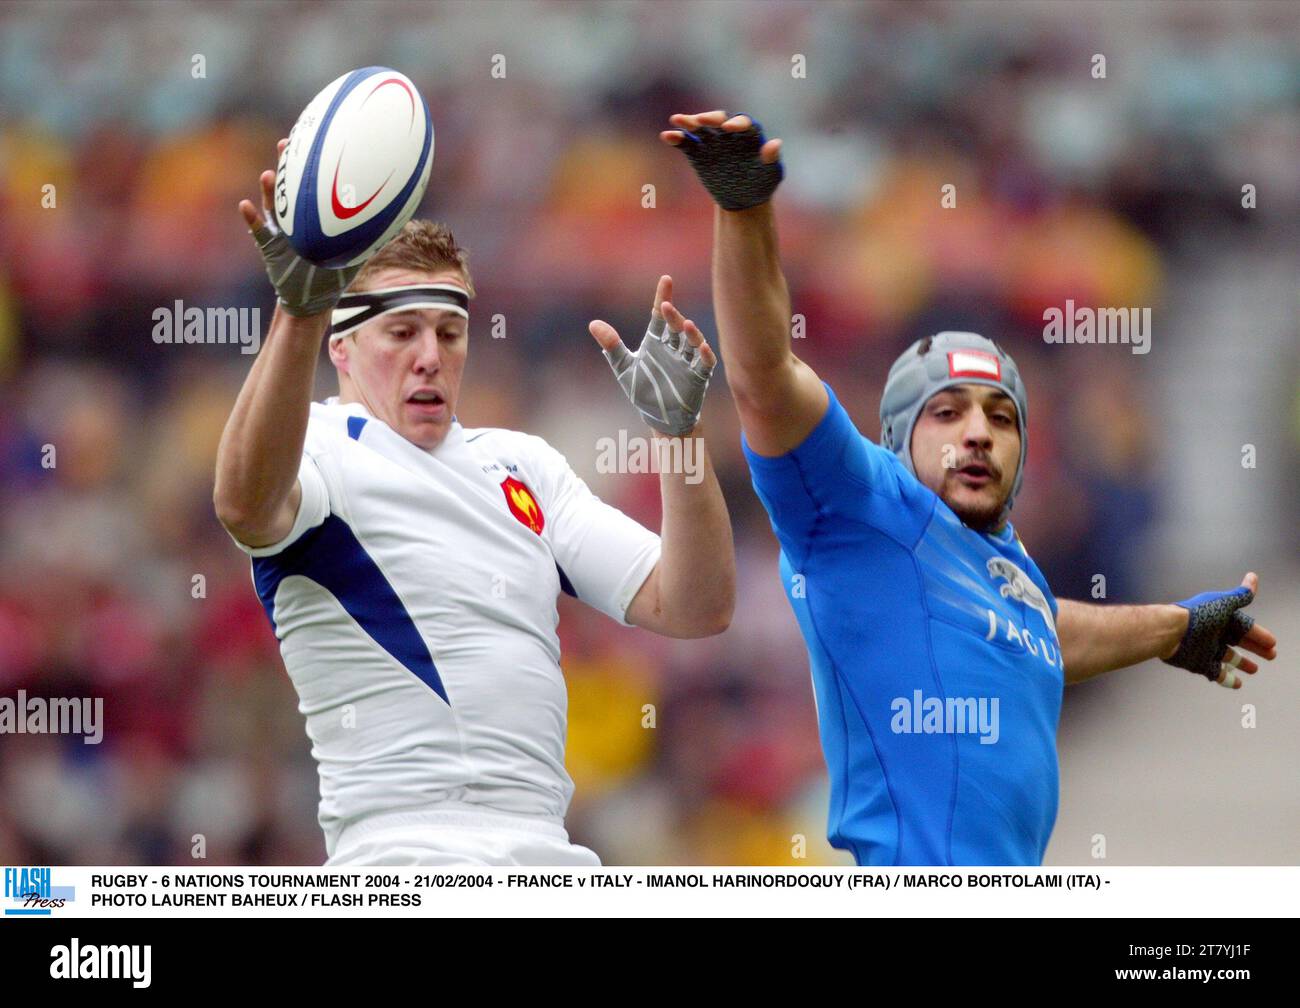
[(1118, 191)]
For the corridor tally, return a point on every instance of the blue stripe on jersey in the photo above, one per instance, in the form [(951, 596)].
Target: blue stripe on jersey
[(333, 557), (355, 423), (565, 583)]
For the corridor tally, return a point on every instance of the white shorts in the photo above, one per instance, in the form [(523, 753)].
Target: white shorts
[(455, 837)]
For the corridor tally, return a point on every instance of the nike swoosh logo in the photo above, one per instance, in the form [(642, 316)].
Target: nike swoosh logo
[(346, 213)]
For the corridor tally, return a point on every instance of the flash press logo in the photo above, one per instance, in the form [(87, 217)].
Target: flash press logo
[(30, 892)]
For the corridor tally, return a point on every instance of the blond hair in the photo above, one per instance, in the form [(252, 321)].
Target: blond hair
[(420, 245)]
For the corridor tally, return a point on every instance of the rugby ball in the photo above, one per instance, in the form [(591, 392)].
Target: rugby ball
[(355, 168)]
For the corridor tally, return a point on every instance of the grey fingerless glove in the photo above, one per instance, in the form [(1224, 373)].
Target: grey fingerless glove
[(302, 287), (729, 166), (665, 379)]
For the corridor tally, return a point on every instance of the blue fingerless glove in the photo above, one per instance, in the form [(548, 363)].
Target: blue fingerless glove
[(1214, 624), (729, 166)]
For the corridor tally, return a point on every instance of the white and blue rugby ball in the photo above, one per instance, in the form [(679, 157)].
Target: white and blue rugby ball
[(355, 168)]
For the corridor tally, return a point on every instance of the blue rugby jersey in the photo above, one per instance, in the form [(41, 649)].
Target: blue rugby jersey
[(936, 668)]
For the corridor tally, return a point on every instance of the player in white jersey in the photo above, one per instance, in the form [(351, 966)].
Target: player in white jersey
[(411, 566)]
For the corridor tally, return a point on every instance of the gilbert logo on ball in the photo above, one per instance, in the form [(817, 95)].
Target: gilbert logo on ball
[(355, 168)]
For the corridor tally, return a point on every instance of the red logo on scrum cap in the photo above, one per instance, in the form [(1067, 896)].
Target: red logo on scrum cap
[(973, 364)]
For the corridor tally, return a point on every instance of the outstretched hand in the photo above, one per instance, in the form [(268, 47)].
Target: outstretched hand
[(302, 287), (738, 166), (667, 376), (1215, 624), (767, 153)]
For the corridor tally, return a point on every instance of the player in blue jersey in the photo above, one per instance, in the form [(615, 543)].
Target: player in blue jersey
[(938, 651)]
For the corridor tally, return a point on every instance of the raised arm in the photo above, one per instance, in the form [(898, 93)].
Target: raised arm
[(691, 592), (256, 492), (779, 398)]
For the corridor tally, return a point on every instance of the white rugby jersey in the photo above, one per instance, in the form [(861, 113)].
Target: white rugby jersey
[(415, 603)]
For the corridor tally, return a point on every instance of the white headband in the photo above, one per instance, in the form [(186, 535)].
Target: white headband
[(355, 310)]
